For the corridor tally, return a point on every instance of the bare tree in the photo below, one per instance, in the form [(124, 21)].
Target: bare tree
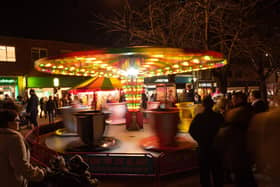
[(157, 22), (228, 25), (205, 24)]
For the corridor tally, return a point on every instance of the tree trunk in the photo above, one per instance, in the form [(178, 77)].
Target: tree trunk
[(223, 86), (263, 89), (221, 79)]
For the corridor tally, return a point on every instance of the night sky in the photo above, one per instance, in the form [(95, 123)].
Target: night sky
[(69, 20), (64, 20)]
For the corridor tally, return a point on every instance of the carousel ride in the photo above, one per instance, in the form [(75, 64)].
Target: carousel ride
[(158, 143)]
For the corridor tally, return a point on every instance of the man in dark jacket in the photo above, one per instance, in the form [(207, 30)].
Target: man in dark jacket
[(203, 129), (258, 105), (50, 107), (32, 107)]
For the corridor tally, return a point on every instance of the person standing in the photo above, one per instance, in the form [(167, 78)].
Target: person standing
[(50, 106), (56, 105), (204, 128), (43, 103), (32, 108), (232, 141), (144, 100), (16, 169), (189, 93), (258, 105)]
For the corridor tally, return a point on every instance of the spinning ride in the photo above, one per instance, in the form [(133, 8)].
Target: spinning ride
[(131, 65)]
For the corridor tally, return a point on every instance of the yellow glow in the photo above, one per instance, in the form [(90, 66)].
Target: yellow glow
[(158, 56), (196, 61), (103, 65), (92, 58), (153, 59), (207, 58), (149, 63)]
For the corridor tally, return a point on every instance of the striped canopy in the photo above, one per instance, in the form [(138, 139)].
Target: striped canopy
[(99, 83)]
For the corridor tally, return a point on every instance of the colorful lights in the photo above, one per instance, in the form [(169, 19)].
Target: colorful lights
[(147, 59), (131, 65), (196, 61)]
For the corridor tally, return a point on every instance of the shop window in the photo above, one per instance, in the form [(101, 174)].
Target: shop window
[(7, 53), (37, 53)]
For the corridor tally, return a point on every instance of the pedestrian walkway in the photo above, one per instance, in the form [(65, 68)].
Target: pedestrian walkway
[(45, 121), (41, 122)]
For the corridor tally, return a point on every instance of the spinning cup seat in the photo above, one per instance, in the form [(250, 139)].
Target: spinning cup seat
[(165, 125), (186, 110), (117, 113), (90, 126)]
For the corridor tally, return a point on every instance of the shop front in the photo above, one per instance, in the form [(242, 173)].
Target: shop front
[(49, 86), (206, 87), (153, 85), (9, 86)]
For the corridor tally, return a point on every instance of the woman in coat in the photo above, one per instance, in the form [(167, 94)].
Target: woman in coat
[(15, 170)]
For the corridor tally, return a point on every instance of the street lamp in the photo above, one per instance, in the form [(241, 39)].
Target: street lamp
[(55, 85)]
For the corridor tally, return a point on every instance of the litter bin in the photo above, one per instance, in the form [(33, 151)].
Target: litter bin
[(90, 126)]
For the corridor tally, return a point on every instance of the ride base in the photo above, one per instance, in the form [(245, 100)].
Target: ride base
[(129, 157)]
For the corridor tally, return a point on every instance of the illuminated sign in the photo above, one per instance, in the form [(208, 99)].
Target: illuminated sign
[(8, 81), (161, 80), (206, 85)]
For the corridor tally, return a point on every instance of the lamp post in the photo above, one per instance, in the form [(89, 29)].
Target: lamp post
[(55, 85)]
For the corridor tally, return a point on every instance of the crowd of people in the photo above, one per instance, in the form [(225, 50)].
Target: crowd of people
[(229, 131), (222, 132), (16, 169), (32, 107)]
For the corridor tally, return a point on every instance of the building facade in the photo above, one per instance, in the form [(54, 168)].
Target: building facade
[(17, 73)]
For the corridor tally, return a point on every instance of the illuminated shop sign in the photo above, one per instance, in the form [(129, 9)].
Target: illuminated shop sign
[(207, 85), (161, 80), (8, 81)]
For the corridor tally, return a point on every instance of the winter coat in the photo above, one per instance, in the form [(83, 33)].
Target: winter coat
[(15, 164), (32, 105), (205, 126), (231, 140)]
